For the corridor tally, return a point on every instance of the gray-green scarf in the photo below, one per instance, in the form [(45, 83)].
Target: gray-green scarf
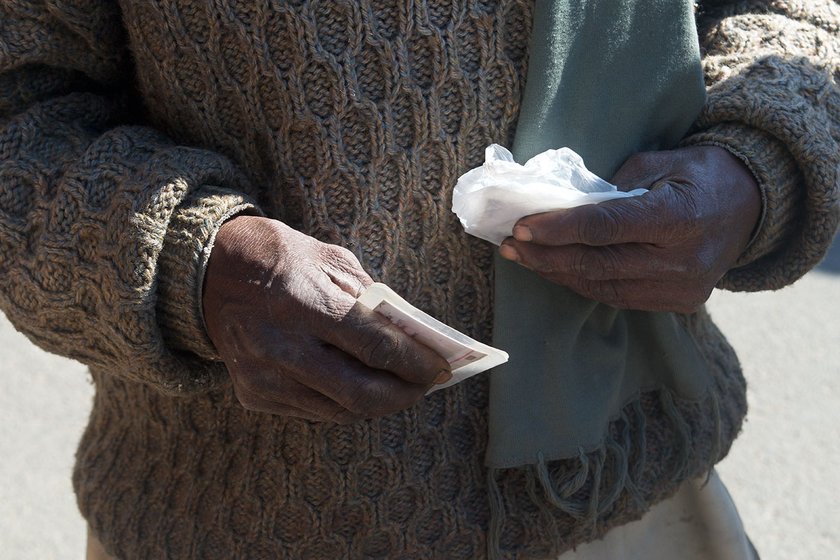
[(607, 78)]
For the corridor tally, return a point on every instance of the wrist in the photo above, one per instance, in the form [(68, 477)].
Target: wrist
[(182, 265), (748, 195), (244, 256)]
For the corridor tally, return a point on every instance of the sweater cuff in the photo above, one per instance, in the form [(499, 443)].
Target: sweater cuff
[(779, 117), (779, 183), (183, 261)]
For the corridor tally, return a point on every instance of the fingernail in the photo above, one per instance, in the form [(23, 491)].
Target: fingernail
[(509, 253), (444, 376), (522, 233)]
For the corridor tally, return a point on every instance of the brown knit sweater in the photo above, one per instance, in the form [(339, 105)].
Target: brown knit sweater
[(129, 131)]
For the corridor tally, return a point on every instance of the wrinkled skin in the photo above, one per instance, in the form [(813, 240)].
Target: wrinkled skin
[(281, 306), (663, 251), (281, 309)]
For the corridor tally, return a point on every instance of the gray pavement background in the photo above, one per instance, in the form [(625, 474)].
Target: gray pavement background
[(784, 470)]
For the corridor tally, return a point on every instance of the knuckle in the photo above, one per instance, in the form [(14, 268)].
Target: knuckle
[(580, 263), (596, 264), (333, 309), (348, 255), (601, 227), (609, 264), (367, 399), (338, 255), (381, 350), (689, 211)]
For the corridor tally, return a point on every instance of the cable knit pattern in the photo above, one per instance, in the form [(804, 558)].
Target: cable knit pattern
[(780, 113), (86, 196), (191, 233), (349, 120)]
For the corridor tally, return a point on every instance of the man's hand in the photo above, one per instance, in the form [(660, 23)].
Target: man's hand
[(662, 251), (281, 309)]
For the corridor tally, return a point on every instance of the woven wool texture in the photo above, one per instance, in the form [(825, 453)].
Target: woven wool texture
[(129, 131)]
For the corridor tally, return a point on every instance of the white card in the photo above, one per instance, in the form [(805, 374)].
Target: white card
[(466, 356)]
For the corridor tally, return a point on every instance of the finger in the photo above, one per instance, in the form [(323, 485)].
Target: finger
[(607, 223), (303, 372), (344, 269), (381, 345), (642, 295), (360, 389), (308, 404), (348, 282), (649, 218), (625, 261)]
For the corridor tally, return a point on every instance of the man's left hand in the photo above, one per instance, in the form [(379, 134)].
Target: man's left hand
[(662, 251)]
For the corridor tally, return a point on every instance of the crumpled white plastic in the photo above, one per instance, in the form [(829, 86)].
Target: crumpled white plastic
[(490, 199)]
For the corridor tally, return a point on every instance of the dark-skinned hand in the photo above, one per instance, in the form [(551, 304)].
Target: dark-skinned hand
[(662, 251), (281, 309)]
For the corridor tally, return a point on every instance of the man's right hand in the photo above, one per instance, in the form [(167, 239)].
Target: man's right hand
[(281, 308)]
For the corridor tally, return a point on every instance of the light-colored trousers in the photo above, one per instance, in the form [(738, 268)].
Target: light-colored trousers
[(699, 523)]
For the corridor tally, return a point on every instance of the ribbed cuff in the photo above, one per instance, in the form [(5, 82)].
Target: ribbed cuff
[(779, 116), (779, 182), (183, 261)]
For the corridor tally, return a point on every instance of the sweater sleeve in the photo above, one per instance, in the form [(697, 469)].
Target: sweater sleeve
[(772, 71), (105, 224)]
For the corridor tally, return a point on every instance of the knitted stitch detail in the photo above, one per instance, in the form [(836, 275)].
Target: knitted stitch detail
[(192, 231), (349, 120), (780, 111)]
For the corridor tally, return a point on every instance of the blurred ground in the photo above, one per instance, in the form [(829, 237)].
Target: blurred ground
[(783, 471)]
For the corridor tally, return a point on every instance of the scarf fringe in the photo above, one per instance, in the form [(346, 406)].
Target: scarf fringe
[(589, 490)]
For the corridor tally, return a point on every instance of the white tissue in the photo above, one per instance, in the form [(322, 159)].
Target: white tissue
[(490, 199)]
